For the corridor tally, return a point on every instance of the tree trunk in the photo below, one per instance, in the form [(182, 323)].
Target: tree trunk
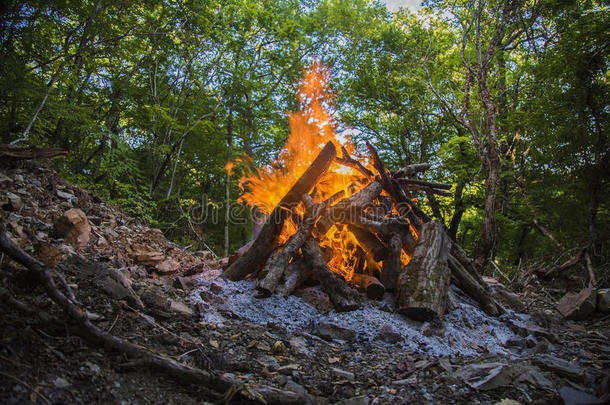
[(228, 182)]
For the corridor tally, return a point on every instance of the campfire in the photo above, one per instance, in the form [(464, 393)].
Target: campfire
[(338, 216)]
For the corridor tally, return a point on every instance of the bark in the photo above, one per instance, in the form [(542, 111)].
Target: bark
[(424, 284), (295, 275), (342, 295), (278, 261), (458, 211), (411, 170), (473, 288), (392, 265), (253, 259), (369, 285)]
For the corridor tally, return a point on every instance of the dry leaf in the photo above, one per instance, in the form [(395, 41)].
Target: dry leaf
[(333, 360)]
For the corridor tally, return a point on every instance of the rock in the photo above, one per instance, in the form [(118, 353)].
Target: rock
[(118, 286), (153, 298), (268, 362), (578, 306), (359, 400), (342, 373), (74, 227), (559, 366), (603, 300), (315, 297), (61, 383), (183, 283), (288, 369), (488, 376), (330, 331), (570, 396), (434, 327), (64, 195), (299, 346), (149, 258), (388, 335), (168, 266), (14, 202), (180, 308), (292, 386)]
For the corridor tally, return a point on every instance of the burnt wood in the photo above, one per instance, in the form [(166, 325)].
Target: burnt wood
[(369, 285), (340, 293), (254, 258), (411, 170), (392, 265), (423, 286)]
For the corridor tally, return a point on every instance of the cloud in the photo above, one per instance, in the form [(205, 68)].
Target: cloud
[(394, 5)]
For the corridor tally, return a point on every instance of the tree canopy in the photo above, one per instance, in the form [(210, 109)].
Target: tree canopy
[(508, 101)]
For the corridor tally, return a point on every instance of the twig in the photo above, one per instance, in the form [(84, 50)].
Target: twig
[(45, 399), (114, 323)]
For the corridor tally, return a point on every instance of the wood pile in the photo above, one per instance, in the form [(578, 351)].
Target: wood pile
[(399, 248)]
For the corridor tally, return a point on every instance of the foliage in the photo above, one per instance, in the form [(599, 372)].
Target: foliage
[(152, 98)]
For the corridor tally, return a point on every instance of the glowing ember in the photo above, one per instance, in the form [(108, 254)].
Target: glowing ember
[(310, 129)]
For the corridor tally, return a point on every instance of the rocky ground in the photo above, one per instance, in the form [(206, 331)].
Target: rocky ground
[(142, 288)]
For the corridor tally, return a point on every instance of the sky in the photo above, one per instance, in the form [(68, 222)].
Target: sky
[(393, 5)]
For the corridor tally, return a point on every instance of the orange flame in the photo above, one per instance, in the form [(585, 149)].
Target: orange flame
[(310, 129)]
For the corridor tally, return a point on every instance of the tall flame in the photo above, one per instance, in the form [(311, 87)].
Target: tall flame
[(310, 129)]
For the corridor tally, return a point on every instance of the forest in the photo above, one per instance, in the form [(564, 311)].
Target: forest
[(163, 106)]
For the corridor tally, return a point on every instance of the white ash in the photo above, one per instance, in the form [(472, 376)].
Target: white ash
[(467, 328)]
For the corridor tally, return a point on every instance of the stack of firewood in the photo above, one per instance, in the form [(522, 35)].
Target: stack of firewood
[(387, 222)]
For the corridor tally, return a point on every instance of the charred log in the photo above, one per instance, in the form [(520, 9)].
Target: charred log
[(424, 283), (253, 259), (369, 285), (392, 265), (340, 293)]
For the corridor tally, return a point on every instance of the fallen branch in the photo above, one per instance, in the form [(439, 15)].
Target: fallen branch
[(87, 330)]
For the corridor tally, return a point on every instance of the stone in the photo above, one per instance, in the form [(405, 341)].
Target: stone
[(315, 297), (603, 300), (269, 362), (330, 331), (74, 227), (61, 383), (288, 369), (14, 202), (149, 258), (183, 283), (215, 288), (578, 306), (487, 376), (559, 366), (154, 299), (168, 266), (434, 327), (64, 195), (118, 286), (359, 400), (180, 307), (343, 374), (388, 335), (570, 396), (298, 345)]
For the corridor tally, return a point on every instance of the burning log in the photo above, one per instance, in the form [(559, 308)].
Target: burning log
[(266, 242), (403, 203), (370, 243), (423, 285), (347, 160), (392, 265), (340, 293), (295, 274), (277, 263), (369, 285), (350, 207)]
